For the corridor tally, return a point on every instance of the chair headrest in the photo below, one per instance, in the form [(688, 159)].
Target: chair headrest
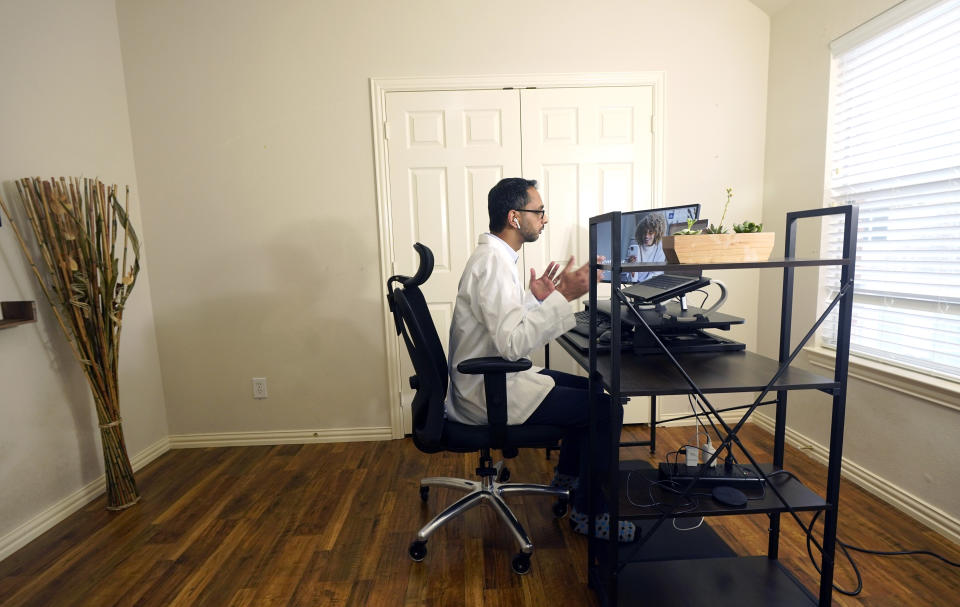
[(425, 269)]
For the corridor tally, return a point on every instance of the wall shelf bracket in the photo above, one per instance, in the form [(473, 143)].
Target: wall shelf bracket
[(13, 313)]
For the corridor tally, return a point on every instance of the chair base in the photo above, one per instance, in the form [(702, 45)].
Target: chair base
[(486, 490)]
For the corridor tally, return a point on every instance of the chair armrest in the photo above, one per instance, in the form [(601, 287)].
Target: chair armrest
[(493, 364), (494, 370)]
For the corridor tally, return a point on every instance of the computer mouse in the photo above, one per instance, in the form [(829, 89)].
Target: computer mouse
[(728, 496)]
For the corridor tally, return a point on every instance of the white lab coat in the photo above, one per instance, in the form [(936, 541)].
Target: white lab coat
[(493, 316)]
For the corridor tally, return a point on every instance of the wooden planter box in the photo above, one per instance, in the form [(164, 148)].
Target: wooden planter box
[(719, 248)]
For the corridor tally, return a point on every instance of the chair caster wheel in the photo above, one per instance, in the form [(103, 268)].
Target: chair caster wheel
[(418, 551), (424, 493), (521, 563), (504, 475), (560, 508)]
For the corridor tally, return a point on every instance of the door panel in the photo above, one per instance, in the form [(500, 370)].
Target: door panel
[(446, 149), (591, 149)]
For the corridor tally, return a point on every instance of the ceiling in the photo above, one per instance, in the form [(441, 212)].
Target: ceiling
[(770, 7)]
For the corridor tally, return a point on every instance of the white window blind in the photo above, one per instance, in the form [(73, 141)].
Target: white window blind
[(895, 153)]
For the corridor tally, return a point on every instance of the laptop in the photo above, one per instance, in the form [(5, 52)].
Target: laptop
[(634, 227), (664, 286)]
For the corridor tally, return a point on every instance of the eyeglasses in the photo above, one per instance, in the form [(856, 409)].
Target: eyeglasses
[(540, 212)]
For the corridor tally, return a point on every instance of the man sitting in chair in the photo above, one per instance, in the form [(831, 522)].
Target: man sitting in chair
[(493, 316)]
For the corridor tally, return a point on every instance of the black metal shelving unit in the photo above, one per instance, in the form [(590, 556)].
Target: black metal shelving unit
[(617, 578)]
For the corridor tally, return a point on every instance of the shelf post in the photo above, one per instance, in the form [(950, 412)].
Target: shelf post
[(653, 424), (602, 556), (611, 478), (844, 321), (780, 423), (586, 476)]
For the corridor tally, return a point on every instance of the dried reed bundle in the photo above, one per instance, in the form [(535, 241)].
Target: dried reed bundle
[(76, 226)]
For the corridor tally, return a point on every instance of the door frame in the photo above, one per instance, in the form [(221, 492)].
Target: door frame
[(379, 87)]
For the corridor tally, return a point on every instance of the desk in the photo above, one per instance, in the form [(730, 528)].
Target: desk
[(714, 372), (615, 575)]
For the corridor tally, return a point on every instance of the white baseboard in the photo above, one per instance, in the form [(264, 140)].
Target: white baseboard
[(280, 437), (929, 515), (36, 526), (149, 454)]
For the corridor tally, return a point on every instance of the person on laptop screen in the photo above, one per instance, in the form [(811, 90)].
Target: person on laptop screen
[(641, 236), (646, 245)]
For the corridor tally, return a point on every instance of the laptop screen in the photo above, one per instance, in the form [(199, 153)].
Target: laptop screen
[(641, 233)]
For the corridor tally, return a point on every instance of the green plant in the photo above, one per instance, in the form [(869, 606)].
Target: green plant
[(689, 231), (748, 227), (719, 229)]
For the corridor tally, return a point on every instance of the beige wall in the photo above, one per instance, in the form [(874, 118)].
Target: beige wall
[(251, 126), (906, 441), (63, 111)]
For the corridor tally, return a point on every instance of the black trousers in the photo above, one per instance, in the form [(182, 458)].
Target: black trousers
[(567, 405)]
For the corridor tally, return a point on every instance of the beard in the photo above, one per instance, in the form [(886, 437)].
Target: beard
[(531, 235)]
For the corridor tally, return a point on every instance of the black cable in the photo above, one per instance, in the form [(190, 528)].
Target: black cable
[(706, 295), (663, 485), (692, 503), (901, 553), (845, 548), (669, 453)]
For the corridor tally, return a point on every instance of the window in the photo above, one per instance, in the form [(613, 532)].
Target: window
[(895, 153)]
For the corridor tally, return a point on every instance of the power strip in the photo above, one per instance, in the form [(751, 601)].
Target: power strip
[(740, 476)]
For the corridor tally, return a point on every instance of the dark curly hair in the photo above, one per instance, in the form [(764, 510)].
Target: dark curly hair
[(508, 195), (651, 222)]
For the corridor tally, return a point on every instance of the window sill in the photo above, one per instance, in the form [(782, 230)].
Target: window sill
[(936, 390)]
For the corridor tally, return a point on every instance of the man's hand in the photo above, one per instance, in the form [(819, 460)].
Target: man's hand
[(545, 285), (574, 283)]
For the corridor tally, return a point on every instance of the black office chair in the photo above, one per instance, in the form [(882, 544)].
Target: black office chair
[(433, 433)]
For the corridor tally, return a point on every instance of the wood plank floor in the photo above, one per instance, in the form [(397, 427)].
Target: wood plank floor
[(329, 524)]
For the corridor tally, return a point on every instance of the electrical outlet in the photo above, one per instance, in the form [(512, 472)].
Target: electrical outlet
[(259, 387)]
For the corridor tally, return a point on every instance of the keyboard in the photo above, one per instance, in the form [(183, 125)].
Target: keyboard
[(583, 323)]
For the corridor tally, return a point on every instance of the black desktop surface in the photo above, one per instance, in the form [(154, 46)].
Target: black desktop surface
[(669, 322), (714, 372), (718, 582), (637, 478), (691, 340)]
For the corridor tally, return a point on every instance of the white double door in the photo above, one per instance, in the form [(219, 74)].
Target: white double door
[(590, 149)]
